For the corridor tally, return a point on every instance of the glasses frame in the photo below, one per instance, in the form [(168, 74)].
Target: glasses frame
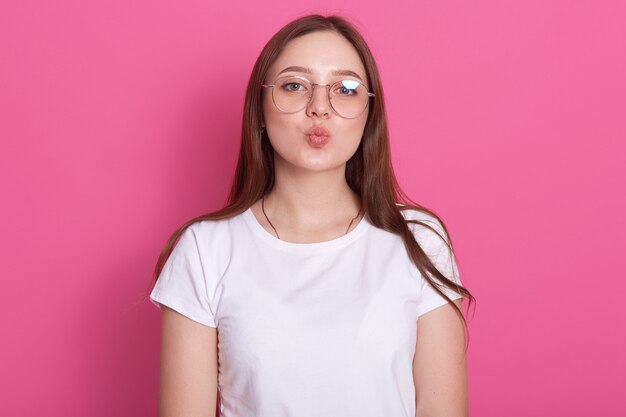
[(313, 85)]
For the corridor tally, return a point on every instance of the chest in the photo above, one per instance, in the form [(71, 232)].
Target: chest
[(334, 310)]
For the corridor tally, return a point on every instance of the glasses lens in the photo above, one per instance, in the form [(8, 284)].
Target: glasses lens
[(349, 98), (291, 93)]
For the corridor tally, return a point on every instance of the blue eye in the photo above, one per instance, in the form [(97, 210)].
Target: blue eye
[(347, 88), (293, 87)]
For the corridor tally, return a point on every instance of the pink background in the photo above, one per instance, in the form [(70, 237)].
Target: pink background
[(120, 120)]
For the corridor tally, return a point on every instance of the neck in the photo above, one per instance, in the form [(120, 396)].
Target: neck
[(307, 199)]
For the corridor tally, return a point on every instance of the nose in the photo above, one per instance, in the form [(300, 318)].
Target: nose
[(319, 104)]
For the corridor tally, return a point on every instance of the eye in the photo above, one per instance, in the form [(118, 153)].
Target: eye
[(347, 88), (292, 85), (345, 91)]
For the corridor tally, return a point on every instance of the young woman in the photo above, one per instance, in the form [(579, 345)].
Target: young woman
[(320, 290)]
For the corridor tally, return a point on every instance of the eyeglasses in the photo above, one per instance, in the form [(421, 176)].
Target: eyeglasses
[(348, 98)]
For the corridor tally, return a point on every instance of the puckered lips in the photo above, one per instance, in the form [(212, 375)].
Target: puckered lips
[(318, 136)]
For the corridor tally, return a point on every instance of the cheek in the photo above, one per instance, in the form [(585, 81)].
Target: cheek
[(266, 105), (356, 130), (280, 131), (355, 135), (271, 116)]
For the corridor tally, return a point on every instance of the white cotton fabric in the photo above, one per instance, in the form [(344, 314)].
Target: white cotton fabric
[(307, 329)]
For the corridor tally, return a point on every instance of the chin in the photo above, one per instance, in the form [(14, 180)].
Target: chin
[(320, 166)]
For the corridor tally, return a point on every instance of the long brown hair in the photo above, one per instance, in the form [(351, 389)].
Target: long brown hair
[(369, 172)]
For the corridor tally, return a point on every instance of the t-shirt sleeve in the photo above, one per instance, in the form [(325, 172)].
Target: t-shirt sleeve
[(443, 259), (182, 284)]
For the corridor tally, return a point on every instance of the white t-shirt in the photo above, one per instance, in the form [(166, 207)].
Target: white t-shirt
[(323, 329)]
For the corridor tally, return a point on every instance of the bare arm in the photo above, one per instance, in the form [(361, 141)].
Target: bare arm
[(439, 367), (188, 367)]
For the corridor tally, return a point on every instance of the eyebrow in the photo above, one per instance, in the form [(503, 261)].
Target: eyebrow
[(309, 71)]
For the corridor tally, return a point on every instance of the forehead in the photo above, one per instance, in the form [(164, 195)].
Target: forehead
[(322, 52)]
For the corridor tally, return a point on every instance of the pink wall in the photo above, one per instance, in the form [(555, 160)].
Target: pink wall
[(120, 120)]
